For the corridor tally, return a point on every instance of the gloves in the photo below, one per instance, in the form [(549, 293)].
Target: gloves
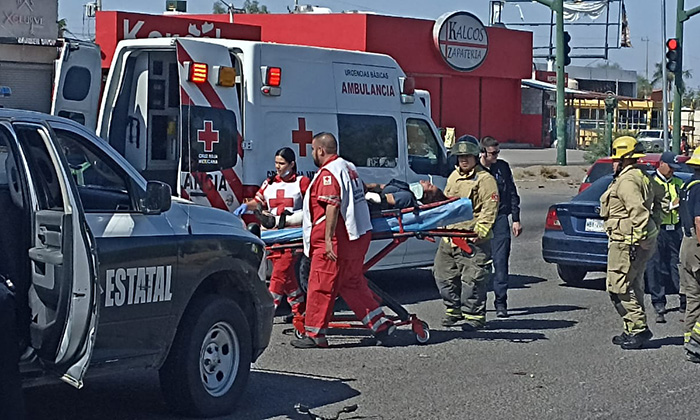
[(240, 211)]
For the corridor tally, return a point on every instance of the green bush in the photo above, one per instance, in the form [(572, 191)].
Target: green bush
[(599, 149)]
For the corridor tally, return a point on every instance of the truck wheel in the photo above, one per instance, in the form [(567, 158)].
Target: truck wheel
[(571, 274), (209, 362)]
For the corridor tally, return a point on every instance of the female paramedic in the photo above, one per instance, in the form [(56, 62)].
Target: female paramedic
[(278, 204)]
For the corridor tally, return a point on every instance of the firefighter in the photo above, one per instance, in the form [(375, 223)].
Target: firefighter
[(626, 207), (278, 204), (690, 258), (337, 233), (669, 240), (461, 277)]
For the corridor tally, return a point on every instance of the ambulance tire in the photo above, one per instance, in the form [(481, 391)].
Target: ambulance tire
[(209, 363)]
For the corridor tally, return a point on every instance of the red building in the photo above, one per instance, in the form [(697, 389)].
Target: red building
[(485, 101)]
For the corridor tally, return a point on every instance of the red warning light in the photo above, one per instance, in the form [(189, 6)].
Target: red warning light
[(672, 44)]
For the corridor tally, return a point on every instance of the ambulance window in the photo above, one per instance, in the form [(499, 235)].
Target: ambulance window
[(102, 185), (43, 173), (425, 155), (368, 140), (77, 84)]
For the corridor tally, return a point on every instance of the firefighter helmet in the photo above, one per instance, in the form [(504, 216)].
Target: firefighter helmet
[(465, 146), (627, 147), (695, 158)]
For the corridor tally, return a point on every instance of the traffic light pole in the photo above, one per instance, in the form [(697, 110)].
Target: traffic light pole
[(681, 16), (558, 7)]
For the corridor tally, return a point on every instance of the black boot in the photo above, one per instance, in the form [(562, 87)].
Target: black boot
[(619, 339), (636, 341)]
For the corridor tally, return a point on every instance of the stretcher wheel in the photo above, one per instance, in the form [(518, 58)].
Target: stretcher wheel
[(425, 337), (298, 334)]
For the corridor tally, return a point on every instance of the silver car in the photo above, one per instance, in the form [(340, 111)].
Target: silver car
[(652, 140)]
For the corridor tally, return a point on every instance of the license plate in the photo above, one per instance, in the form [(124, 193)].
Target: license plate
[(594, 225)]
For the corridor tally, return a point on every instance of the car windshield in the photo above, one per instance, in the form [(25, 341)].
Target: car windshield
[(650, 134), (598, 170), (597, 189)]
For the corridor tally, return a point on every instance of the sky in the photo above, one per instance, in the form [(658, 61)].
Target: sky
[(644, 18)]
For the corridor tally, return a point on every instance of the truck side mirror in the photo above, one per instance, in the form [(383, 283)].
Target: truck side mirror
[(158, 198)]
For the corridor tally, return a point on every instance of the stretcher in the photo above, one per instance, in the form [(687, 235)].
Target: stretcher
[(397, 225)]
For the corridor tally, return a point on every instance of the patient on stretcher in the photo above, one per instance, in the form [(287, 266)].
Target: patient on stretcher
[(400, 195)]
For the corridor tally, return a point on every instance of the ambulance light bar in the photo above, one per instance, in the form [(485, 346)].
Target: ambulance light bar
[(272, 80), (196, 72), (407, 87), (226, 76)]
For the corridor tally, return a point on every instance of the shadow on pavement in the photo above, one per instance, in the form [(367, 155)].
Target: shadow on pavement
[(518, 281), (136, 396), (544, 309), (592, 284), (666, 341), (529, 324)]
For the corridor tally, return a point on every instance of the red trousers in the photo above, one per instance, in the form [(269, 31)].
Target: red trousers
[(344, 277), (283, 282)]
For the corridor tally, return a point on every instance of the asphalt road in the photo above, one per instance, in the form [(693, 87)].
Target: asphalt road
[(552, 359)]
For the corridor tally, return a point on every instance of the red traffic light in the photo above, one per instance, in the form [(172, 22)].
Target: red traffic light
[(672, 44)]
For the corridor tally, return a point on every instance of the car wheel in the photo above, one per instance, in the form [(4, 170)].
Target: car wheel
[(571, 274), (209, 362)]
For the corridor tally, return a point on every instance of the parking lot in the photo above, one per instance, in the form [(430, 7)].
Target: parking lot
[(552, 359)]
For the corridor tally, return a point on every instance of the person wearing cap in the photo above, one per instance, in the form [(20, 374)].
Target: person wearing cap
[(461, 272), (509, 205), (690, 258), (665, 259), (626, 208)]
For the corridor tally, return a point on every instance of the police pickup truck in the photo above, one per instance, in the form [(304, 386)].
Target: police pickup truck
[(113, 273)]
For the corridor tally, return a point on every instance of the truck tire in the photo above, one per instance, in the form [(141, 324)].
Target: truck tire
[(571, 274), (209, 362)]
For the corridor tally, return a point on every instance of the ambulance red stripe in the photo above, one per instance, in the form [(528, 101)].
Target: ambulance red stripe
[(234, 182), (212, 194), (206, 88)]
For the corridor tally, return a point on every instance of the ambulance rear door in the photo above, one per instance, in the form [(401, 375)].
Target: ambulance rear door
[(77, 84), (210, 124)]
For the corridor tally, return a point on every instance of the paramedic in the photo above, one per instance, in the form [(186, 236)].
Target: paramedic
[(509, 205), (11, 401), (462, 278), (626, 208), (278, 203), (337, 233)]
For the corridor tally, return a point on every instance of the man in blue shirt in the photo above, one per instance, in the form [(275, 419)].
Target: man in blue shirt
[(509, 205), (690, 258)]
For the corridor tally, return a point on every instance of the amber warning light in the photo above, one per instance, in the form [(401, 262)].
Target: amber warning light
[(196, 72)]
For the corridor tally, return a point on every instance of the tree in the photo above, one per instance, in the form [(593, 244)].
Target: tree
[(644, 87), (249, 6), (610, 65), (658, 76)]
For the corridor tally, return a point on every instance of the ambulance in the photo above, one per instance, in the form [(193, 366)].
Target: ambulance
[(206, 116)]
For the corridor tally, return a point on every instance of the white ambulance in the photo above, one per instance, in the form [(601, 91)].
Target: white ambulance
[(207, 115)]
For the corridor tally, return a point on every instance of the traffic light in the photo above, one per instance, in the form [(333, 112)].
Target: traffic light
[(567, 48), (673, 55)]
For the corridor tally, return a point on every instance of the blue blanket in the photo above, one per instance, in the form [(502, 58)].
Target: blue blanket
[(447, 214)]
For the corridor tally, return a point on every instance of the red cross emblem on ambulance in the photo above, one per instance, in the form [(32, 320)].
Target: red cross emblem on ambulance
[(208, 136), (302, 137)]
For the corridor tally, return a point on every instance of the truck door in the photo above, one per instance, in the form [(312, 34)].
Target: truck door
[(77, 84), (210, 125), (62, 294)]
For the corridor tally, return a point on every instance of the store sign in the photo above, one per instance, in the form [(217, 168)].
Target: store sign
[(29, 21), (461, 39)]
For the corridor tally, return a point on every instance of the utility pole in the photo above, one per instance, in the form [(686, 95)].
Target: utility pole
[(557, 6), (681, 16), (646, 74), (664, 77)]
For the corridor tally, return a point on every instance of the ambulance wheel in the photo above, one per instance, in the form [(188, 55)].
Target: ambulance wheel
[(425, 337), (208, 366)]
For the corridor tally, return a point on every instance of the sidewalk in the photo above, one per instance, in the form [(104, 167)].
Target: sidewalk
[(529, 157)]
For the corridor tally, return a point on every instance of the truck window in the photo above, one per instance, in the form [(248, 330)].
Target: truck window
[(102, 185), (368, 140), (425, 155), (43, 173)]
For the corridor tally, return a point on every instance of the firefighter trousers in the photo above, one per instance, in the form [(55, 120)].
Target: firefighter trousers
[(463, 280), (690, 283), (625, 282), (283, 282), (345, 278)]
